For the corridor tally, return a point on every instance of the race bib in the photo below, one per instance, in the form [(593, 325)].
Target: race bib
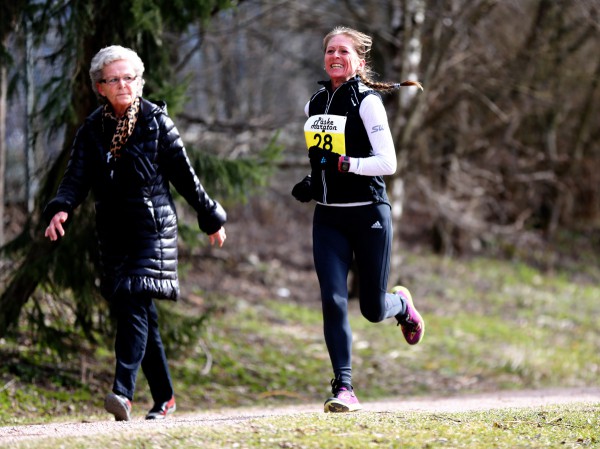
[(326, 132)]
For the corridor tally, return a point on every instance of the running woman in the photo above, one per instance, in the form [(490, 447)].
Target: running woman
[(350, 148)]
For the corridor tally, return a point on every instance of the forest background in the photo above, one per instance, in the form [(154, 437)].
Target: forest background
[(497, 156)]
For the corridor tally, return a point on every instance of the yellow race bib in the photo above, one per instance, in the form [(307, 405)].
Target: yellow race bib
[(326, 132)]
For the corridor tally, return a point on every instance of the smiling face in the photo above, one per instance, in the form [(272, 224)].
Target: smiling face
[(341, 60), (121, 94)]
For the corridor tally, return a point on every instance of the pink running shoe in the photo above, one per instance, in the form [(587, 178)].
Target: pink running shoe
[(413, 325), (343, 399), (119, 406)]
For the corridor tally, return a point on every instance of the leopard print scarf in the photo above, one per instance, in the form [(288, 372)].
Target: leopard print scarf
[(125, 126)]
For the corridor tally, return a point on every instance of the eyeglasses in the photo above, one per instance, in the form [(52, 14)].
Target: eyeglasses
[(115, 81)]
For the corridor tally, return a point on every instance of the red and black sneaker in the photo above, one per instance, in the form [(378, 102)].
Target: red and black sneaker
[(119, 406), (160, 411)]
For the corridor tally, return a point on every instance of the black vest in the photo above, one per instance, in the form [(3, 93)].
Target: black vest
[(334, 187)]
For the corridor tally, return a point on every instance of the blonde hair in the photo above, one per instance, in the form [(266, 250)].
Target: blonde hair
[(362, 45)]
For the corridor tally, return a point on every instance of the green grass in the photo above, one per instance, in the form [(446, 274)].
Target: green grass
[(575, 426), (491, 325)]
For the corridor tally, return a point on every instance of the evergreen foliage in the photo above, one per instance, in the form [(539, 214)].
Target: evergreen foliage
[(62, 279)]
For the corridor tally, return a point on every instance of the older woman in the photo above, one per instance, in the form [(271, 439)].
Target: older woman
[(127, 153), (350, 150)]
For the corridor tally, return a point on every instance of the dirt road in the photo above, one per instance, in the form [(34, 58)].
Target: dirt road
[(223, 417)]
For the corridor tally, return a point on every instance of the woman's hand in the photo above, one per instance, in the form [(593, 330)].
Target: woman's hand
[(302, 191), (321, 159), (218, 237), (55, 228)]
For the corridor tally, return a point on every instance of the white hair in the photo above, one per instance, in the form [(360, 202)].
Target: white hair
[(109, 55)]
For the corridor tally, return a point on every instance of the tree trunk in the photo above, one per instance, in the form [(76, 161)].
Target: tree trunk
[(404, 127), (24, 282), (3, 89), (29, 119), (35, 265)]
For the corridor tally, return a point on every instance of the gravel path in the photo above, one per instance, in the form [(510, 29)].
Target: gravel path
[(223, 417)]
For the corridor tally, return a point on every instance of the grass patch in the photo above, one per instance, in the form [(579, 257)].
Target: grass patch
[(575, 426), (490, 325)]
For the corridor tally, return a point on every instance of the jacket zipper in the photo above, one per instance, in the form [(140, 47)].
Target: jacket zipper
[(323, 178)]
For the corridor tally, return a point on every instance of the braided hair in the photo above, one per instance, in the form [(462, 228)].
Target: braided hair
[(362, 45)]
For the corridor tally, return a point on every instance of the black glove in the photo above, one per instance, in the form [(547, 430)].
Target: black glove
[(321, 159), (302, 190)]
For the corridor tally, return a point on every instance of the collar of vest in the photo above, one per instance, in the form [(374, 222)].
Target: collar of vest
[(327, 83)]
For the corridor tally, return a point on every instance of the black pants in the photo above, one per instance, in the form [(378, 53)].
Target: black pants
[(138, 343), (339, 235)]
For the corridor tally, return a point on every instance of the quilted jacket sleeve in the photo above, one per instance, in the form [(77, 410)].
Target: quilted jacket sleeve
[(180, 173), (76, 181)]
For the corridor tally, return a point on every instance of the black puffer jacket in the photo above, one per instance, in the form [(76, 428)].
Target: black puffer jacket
[(136, 218)]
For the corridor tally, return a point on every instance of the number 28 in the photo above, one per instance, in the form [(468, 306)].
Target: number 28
[(324, 142)]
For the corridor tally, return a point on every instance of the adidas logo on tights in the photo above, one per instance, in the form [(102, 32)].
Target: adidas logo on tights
[(376, 225)]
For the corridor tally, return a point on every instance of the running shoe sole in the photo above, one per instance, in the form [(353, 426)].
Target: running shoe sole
[(116, 406), (335, 406)]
